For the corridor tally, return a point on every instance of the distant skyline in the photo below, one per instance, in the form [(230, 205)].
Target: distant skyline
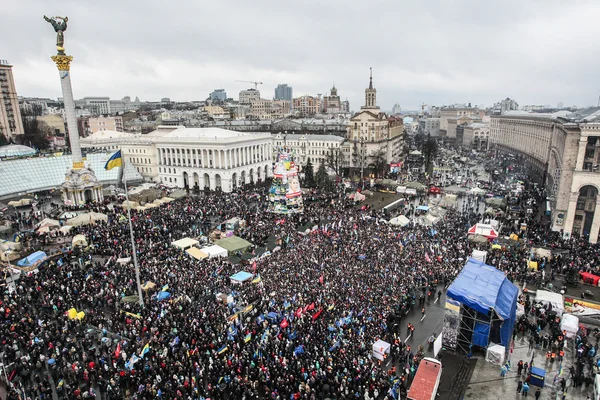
[(536, 52)]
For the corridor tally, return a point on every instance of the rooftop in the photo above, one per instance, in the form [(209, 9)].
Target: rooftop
[(296, 136), (16, 150), (204, 134), (43, 173)]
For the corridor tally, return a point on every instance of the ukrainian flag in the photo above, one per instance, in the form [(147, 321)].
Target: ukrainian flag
[(116, 160), (222, 350), (145, 350), (248, 338), (257, 279)]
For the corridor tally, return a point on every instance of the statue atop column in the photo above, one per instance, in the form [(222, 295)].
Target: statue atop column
[(60, 26)]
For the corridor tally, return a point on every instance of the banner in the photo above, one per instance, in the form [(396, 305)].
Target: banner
[(581, 307), (437, 345), (451, 324)]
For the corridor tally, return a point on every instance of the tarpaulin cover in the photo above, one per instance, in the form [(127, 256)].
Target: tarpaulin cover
[(483, 288), (32, 259), (241, 276), (481, 334)]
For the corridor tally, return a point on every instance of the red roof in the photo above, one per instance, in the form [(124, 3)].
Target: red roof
[(425, 380)]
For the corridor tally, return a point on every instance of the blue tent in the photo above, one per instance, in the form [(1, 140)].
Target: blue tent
[(32, 259), (241, 276), (493, 298)]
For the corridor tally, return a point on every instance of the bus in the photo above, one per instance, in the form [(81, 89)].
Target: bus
[(426, 381)]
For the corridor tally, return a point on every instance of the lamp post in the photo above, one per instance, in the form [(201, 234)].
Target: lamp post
[(362, 163)]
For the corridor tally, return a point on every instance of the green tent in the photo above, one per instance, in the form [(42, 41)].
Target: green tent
[(234, 260), (233, 244)]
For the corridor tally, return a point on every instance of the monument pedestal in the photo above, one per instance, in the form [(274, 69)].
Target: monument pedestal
[(81, 186)]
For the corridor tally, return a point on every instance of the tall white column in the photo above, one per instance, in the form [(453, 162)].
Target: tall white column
[(568, 227), (581, 153), (63, 62), (595, 229)]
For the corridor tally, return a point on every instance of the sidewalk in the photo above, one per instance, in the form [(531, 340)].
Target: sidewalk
[(486, 383)]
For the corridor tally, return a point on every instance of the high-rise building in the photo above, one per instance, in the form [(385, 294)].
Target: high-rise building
[(283, 92), (218, 95), (11, 123), (396, 110)]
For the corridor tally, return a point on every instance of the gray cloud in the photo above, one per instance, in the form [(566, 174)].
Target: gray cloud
[(437, 52)]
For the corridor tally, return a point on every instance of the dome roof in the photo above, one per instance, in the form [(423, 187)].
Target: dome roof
[(16, 150)]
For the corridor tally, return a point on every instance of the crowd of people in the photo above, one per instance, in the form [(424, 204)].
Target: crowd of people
[(302, 328)]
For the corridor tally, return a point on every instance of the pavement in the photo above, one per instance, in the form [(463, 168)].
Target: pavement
[(486, 383)]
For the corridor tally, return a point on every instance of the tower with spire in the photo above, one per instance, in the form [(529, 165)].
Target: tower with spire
[(370, 93), (332, 103)]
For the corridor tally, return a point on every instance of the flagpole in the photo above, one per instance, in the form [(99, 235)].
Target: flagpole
[(135, 261)]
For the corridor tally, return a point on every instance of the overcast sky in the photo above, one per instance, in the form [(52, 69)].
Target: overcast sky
[(436, 52)]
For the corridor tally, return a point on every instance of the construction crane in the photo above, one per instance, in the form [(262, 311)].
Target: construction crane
[(253, 82)]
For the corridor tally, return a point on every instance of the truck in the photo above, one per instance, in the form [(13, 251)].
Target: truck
[(426, 381)]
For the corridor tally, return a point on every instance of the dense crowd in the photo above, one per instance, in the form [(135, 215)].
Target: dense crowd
[(303, 328)]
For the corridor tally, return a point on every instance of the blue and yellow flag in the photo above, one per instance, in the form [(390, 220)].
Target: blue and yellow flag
[(248, 338), (145, 350), (114, 161), (222, 349)]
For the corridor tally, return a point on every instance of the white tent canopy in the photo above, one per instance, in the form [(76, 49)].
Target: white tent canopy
[(479, 255), (495, 354), (214, 251), (65, 228), (47, 222), (484, 230), (400, 220), (79, 240), (87, 218), (570, 324), (554, 299), (184, 243), (380, 348)]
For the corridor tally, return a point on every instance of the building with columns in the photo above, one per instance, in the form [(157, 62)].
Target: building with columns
[(200, 158), (562, 151), (213, 158)]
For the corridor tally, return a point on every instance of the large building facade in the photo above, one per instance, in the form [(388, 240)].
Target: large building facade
[(11, 123), (563, 152), (202, 158), (315, 147), (307, 106), (97, 124), (373, 134)]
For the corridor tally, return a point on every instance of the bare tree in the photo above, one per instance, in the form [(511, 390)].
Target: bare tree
[(380, 162), (335, 160)]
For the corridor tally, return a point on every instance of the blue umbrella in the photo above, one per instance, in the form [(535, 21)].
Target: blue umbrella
[(51, 361)]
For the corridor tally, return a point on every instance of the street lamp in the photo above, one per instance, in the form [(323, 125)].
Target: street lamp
[(362, 162)]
